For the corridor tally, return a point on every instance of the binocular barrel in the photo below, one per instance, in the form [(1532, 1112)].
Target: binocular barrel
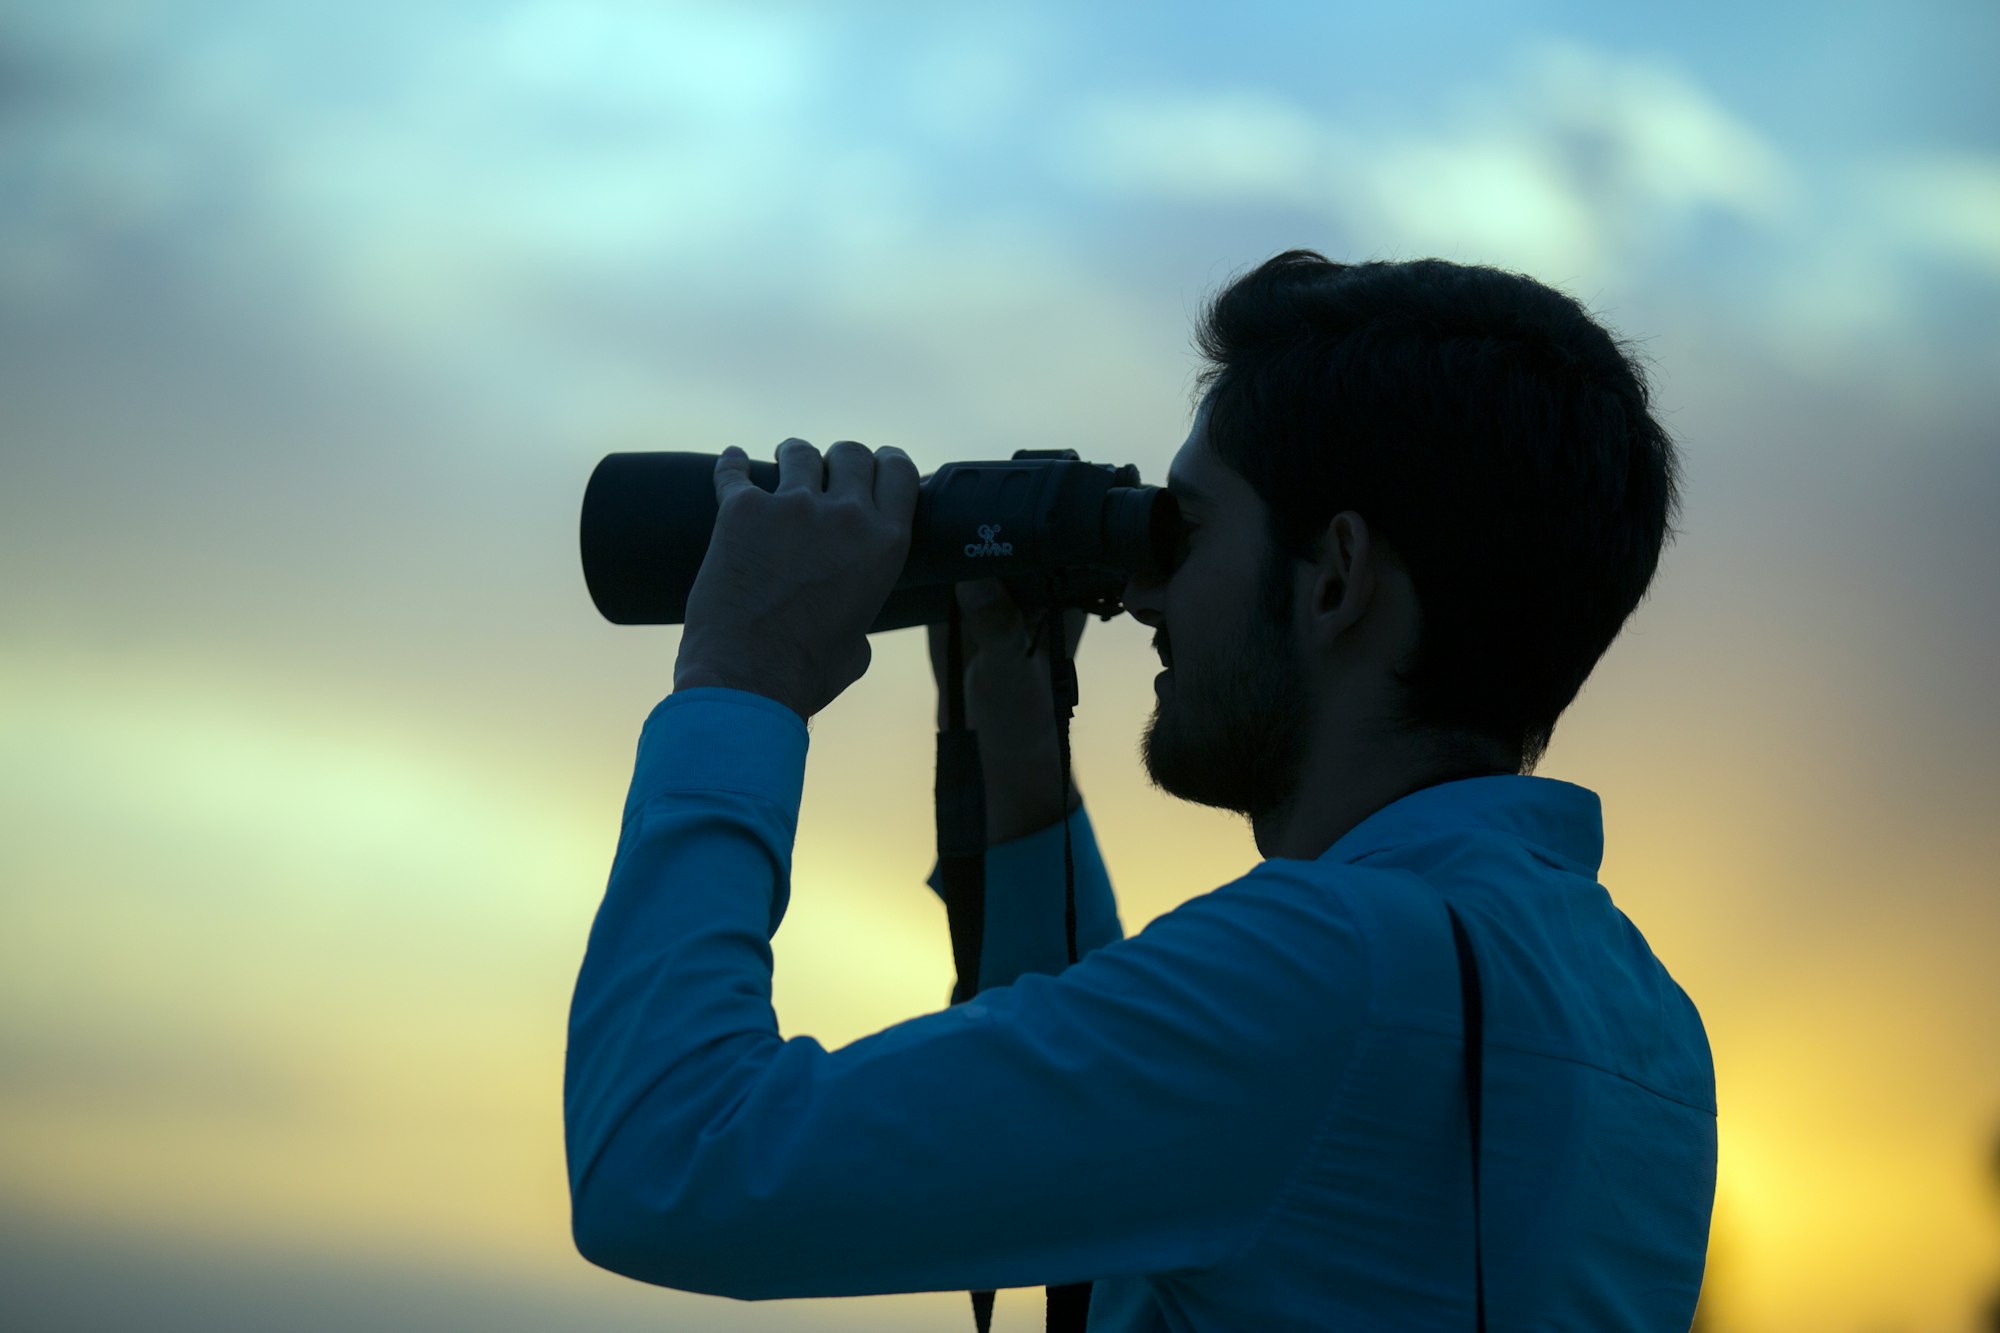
[(1041, 518)]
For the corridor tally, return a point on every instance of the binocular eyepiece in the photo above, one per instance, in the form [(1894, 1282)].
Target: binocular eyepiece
[(1057, 531)]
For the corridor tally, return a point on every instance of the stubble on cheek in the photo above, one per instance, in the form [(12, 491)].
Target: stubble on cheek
[(1235, 743), (1181, 757)]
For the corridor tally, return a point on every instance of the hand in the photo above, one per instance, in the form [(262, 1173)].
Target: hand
[(1008, 698), (793, 578), (1011, 704)]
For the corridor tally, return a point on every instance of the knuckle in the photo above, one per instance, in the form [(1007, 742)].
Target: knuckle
[(852, 519)]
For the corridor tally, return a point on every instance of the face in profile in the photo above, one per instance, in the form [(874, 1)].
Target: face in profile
[(1228, 728)]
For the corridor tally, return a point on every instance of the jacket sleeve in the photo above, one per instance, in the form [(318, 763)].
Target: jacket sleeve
[(1140, 1112), (1024, 930)]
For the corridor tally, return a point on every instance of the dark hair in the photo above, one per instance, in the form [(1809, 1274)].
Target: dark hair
[(1490, 432)]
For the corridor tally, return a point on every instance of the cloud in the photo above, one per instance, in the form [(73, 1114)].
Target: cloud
[(396, 163), (235, 777), (968, 81), (1642, 134), (1890, 278), (582, 210), (1618, 177), (1941, 204), (1579, 163), (1241, 146), (549, 200)]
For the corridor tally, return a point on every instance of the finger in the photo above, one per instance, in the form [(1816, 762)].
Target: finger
[(732, 473), (896, 482), (850, 469), (799, 467)]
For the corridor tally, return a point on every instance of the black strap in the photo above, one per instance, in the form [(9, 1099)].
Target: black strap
[(961, 829), (961, 821), (1069, 1306), (1062, 686), (961, 837), (1470, 1001)]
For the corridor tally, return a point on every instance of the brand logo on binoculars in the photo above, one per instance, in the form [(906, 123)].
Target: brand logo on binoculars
[(989, 542)]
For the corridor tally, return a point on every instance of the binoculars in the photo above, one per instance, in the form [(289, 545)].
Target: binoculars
[(1055, 530)]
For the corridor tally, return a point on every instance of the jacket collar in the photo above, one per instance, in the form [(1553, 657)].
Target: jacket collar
[(1563, 821)]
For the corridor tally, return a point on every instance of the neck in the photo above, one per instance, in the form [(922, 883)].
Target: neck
[(1343, 785)]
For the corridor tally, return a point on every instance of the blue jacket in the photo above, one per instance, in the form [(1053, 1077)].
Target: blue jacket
[(1249, 1115)]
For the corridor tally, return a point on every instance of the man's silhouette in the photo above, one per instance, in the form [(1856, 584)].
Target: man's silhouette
[(1421, 501)]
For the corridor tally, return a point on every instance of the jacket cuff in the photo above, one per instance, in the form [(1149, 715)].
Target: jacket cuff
[(715, 739)]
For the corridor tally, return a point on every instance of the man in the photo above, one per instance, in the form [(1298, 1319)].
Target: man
[(1421, 500)]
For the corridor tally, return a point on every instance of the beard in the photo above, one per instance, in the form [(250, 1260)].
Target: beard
[(1231, 734)]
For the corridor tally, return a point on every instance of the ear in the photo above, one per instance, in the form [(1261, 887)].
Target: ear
[(1343, 578)]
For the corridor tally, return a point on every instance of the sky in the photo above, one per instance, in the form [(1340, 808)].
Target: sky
[(315, 318)]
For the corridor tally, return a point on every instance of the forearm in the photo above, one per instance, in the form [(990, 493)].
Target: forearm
[(672, 1005), (1026, 930), (1023, 790), (1024, 922)]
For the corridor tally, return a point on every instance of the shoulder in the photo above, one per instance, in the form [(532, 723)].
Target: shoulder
[(1321, 933), (1268, 976), (1325, 905), (1378, 909)]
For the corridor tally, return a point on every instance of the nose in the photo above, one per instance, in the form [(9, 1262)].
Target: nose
[(1143, 599)]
